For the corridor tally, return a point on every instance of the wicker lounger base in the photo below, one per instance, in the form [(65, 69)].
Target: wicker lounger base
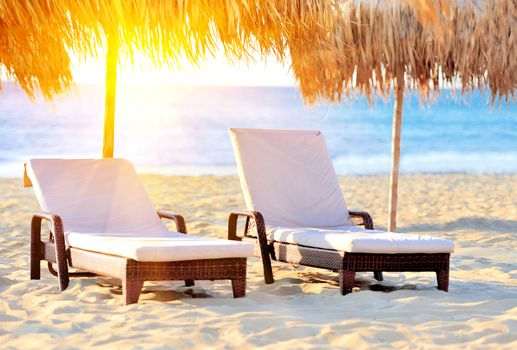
[(132, 273), (347, 264)]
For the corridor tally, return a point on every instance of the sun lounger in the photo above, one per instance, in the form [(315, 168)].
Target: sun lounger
[(102, 221), (295, 201)]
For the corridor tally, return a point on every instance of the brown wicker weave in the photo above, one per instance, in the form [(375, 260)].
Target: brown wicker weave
[(347, 264), (132, 273)]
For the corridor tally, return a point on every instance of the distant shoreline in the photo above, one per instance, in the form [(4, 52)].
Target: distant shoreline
[(386, 175)]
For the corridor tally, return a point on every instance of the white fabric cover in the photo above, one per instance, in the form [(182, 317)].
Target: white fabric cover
[(171, 246), (94, 195), (289, 177), (353, 239), (105, 208)]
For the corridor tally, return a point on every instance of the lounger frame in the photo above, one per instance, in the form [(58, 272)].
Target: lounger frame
[(132, 273), (347, 264)]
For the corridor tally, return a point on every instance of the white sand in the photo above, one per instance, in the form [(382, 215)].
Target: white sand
[(303, 309)]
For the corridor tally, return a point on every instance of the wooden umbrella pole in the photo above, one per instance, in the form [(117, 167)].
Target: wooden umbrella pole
[(395, 150), (110, 99)]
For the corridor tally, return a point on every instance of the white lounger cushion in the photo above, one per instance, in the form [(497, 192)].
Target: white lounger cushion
[(289, 177), (354, 239), (170, 247)]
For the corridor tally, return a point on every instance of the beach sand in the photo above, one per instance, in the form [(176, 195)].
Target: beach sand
[(304, 308)]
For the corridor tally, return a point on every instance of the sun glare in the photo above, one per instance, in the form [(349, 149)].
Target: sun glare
[(216, 71)]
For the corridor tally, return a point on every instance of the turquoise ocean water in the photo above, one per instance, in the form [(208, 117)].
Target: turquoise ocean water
[(183, 130)]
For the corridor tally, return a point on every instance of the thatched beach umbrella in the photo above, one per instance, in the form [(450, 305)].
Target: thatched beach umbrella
[(384, 48)]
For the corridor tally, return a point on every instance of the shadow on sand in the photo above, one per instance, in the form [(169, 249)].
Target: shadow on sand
[(115, 288), (477, 223), (362, 282)]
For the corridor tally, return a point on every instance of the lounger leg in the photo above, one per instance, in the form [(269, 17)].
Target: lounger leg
[(189, 283), (268, 271), (35, 252), (378, 275), (131, 290), (62, 263), (264, 248), (239, 287), (266, 259), (35, 269), (346, 281), (443, 280)]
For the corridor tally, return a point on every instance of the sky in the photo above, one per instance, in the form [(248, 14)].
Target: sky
[(214, 72)]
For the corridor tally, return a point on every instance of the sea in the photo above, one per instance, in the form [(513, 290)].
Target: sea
[(184, 129)]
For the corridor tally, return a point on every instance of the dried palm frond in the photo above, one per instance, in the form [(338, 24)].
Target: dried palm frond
[(36, 36), (377, 39)]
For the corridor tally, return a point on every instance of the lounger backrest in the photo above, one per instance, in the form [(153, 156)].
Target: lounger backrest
[(94, 195), (289, 177)]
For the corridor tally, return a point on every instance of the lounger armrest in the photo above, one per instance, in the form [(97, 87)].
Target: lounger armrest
[(58, 238), (56, 224), (365, 219), (265, 251), (249, 215), (178, 219)]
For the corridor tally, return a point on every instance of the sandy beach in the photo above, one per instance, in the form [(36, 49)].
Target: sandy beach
[(304, 308)]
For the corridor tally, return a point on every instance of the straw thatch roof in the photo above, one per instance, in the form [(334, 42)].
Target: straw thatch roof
[(377, 39), (36, 36), (28, 53)]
